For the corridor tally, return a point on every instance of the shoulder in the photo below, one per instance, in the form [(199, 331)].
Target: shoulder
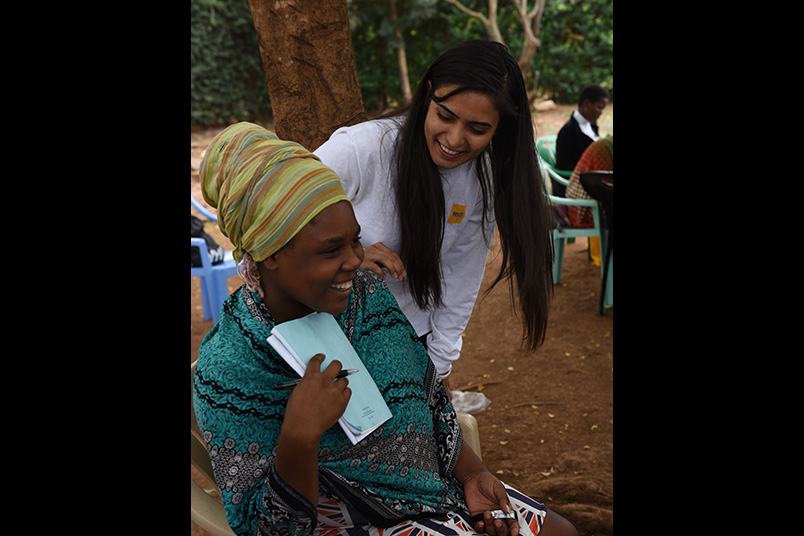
[(367, 283), (359, 150), (370, 300), (600, 146), (372, 294), (241, 331), (366, 133), (571, 126)]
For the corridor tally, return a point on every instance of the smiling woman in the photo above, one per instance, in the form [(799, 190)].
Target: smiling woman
[(459, 126), (314, 271), (428, 183), (282, 464)]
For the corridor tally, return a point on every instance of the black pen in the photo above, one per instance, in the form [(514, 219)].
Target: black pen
[(294, 383)]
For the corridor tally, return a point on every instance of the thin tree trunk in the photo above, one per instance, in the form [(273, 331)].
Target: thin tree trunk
[(401, 56)]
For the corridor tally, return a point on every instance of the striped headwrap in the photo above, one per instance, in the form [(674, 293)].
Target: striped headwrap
[(265, 189)]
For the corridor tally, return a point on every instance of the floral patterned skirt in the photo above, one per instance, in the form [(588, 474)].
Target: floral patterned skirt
[(337, 518)]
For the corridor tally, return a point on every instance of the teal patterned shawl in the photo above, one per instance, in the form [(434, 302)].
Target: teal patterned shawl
[(403, 470)]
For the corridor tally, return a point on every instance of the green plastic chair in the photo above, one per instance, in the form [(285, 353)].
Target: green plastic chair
[(545, 149), (209, 514)]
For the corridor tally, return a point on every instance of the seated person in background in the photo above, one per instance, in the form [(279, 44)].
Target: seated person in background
[(281, 462), (599, 156), (580, 130)]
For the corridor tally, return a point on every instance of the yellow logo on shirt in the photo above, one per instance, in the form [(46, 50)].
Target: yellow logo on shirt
[(456, 214)]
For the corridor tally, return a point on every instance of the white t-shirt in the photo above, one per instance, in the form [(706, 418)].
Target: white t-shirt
[(363, 156)]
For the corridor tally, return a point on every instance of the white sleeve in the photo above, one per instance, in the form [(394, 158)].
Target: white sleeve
[(463, 267), (339, 153)]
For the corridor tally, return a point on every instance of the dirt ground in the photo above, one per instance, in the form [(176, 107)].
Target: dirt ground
[(549, 428)]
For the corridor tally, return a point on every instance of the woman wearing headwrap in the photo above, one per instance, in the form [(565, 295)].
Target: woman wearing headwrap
[(280, 462)]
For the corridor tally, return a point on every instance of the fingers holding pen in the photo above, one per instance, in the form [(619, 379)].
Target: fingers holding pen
[(331, 373), (320, 398)]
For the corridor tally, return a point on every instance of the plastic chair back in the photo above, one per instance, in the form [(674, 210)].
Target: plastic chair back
[(546, 149), (202, 209), (560, 235), (214, 278), (205, 511)]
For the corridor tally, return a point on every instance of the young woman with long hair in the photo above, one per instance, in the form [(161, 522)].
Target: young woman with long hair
[(428, 183)]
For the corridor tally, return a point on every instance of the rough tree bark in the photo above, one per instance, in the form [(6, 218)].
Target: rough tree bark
[(310, 68)]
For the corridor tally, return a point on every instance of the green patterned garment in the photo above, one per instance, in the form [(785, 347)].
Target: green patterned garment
[(402, 471)]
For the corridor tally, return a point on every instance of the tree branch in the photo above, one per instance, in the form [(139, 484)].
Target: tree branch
[(469, 12), (489, 22)]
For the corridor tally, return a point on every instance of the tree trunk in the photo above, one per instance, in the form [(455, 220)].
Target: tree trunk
[(310, 69), (531, 22)]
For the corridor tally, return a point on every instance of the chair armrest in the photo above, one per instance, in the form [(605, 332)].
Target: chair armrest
[(206, 263), (556, 177), (471, 435), (200, 243), (207, 513), (573, 202), (200, 208)]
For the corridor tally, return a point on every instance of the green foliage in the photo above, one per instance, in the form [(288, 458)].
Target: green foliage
[(227, 80), (226, 76), (577, 43), (425, 31), (577, 40)]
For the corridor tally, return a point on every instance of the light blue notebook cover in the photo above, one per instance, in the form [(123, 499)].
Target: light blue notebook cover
[(319, 333)]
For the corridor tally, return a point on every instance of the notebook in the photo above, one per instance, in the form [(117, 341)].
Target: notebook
[(319, 333)]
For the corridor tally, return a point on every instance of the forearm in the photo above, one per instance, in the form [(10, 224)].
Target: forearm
[(297, 462), (313, 407), (484, 492), (468, 465)]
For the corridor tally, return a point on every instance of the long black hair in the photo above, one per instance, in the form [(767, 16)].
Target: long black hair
[(515, 188)]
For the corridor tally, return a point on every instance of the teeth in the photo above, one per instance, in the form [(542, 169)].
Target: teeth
[(449, 152), (343, 286)]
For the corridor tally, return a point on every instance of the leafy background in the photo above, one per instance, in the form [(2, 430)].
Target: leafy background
[(227, 81)]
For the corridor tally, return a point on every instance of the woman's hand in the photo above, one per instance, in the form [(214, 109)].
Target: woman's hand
[(378, 256), (484, 492), (319, 400)]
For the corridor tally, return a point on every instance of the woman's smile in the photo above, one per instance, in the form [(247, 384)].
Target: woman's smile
[(314, 271), (459, 127), (346, 286), (449, 153)]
